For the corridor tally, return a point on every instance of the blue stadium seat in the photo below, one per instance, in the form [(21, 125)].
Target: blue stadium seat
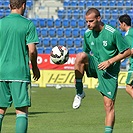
[(44, 32), (124, 64), (69, 42), (78, 42), (81, 23), (73, 4), (52, 32), (69, 14), (127, 3), (120, 3), (130, 12), (105, 21), (48, 50), (46, 42), (66, 23), (35, 21), (104, 3), (50, 23), (79, 50), (58, 23), (112, 3), (7, 12), (66, 4), (38, 31), (42, 23), (73, 23), (97, 3), (60, 32), (40, 50), (62, 41), (29, 4), (113, 22), (82, 31), (114, 14), (72, 50), (76, 14), (81, 4), (75, 32), (89, 3), (107, 14), (61, 14), (54, 42), (68, 32)]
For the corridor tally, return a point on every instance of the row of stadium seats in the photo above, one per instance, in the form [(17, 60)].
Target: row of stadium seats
[(112, 3), (68, 23)]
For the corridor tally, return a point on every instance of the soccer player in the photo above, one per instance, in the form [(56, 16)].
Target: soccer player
[(18, 37), (107, 47), (125, 25)]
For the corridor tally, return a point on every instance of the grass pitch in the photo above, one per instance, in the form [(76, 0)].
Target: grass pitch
[(52, 112)]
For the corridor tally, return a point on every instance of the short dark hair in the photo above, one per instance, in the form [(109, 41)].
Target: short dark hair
[(16, 4), (126, 19), (94, 10)]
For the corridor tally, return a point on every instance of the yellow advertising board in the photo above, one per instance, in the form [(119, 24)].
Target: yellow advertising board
[(65, 78)]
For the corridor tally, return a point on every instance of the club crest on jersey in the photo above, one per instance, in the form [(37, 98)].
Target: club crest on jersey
[(104, 43)]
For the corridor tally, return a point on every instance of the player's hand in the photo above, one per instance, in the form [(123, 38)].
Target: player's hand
[(36, 73), (104, 65)]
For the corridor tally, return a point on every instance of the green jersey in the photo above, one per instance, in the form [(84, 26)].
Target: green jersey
[(105, 45), (16, 33), (129, 39)]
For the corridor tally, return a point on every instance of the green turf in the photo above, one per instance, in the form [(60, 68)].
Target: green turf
[(52, 112)]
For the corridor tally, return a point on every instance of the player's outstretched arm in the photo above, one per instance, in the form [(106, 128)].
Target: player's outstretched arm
[(33, 59)]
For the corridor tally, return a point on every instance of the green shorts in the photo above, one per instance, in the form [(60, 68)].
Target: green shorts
[(17, 93), (107, 82), (129, 79)]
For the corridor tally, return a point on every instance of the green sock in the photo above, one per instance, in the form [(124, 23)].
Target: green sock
[(21, 123), (1, 118), (79, 86), (108, 129)]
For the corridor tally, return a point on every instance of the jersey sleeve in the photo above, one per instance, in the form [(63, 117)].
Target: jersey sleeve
[(31, 36), (121, 43)]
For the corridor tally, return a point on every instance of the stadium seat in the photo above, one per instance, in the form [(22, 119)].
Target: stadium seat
[(73, 5), (82, 31), (69, 42), (46, 42), (60, 32), (73, 23), (112, 3), (81, 4), (81, 23), (35, 21), (66, 23), (72, 50), (42, 23), (68, 32), (76, 14), (50, 23), (89, 3), (113, 22), (66, 4), (40, 50), (97, 3), (75, 32), (52, 32), (54, 42), (58, 23), (61, 14), (114, 14), (105, 21), (78, 42), (104, 3), (38, 31), (79, 50), (120, 3), (62, 41), (48, 50), (107, 14), (127, 3), (44, 32)]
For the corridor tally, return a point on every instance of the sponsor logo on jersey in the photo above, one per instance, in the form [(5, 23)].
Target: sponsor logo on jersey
[(92, 43)]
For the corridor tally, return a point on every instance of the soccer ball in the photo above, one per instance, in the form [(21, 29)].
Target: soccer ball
[(59, 55)]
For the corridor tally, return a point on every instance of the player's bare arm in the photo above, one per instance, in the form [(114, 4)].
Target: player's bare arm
[(106, 64), (33, 59)]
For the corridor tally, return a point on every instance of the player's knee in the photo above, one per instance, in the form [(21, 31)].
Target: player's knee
[(109, 107), (81, 58)]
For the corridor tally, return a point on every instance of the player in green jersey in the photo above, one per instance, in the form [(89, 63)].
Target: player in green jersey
[(107, 47), (125, 25), (18, 37)]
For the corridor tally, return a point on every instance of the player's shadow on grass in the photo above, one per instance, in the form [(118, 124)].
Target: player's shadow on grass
[(35, 113)]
